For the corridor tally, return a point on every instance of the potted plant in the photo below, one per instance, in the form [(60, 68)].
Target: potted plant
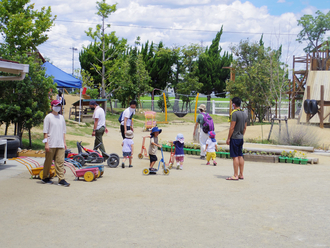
[(290, 157), (283, 157)]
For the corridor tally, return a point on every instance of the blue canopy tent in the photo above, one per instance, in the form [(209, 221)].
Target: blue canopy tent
[(62, 79)]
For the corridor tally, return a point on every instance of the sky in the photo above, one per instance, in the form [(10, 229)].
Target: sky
[(178, 23)]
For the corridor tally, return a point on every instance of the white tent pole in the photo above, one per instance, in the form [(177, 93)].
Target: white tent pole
[(80, 105)]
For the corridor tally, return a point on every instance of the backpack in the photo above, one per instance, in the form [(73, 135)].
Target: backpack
[(208, 124), (121, 116)]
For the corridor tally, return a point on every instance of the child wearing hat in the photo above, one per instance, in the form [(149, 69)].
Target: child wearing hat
[(178, 151), (128, 145), (210, 148), (153, 147)]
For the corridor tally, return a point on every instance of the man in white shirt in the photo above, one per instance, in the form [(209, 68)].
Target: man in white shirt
[(127, 119), (99, 126), (55, 145)]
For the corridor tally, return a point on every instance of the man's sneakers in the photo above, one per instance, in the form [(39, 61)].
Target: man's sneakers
[(202, 157), (46, 181), (63, 183), (130, 166), (122, 165)]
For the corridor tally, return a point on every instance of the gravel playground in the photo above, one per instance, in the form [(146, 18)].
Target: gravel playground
[(277, 205)]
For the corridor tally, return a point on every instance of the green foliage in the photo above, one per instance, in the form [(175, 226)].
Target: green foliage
[(313, 30), (93, 93), (22, 27), (26, 102), (211, 72), (260, 76)]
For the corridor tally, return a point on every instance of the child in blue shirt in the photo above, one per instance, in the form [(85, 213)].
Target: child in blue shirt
[(178, 151)]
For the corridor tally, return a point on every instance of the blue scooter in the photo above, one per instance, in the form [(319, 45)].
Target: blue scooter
[(166, 171)]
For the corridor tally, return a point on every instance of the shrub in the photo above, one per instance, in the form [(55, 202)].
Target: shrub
[(299, 135)]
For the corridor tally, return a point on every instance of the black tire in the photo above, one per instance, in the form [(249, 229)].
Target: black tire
[(93, 156), (80, 159), (306, 106), (113, 160), (13, 143), (313, 107)]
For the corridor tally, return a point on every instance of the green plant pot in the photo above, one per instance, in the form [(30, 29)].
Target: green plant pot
[(227, 154), (196, 152), (296, 160), (282, 159), (218, 154), (222, 155), (190, 151), (304, 161), (289, 160)]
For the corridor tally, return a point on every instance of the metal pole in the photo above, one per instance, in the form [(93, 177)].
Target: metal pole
[(80, 105), (73, 49)]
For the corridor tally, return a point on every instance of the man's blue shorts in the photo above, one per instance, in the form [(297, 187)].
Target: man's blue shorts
[(236, 148)]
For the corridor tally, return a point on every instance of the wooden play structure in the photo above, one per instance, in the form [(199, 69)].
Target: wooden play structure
[(316, 80), (86, 114)]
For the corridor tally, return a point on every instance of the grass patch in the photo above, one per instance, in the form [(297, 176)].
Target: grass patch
[(36, 140), (73, 144)]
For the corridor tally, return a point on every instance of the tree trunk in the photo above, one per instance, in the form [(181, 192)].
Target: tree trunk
[(15, 128), (6, 130), (208, 104), (30, 140)]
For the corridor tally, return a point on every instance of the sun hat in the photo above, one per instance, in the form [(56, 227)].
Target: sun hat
[(92, 103), (129, 134), (155, 129), (180, 138), (55, 103), (212, 134), (202, 107)]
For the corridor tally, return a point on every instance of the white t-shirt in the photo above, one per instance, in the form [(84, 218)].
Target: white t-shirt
[(99, 113), (54, 127), (127, 145), (127, 113), (211, 145)]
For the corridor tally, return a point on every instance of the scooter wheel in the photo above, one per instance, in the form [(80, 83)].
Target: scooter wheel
[(89, 176), (41, 174), (140, 156), (145, 171), (166, 171), (113, 160)]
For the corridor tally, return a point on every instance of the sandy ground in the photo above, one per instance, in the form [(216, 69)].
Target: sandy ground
[(277, 205)]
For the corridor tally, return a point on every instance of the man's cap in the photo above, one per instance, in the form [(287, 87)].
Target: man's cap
[(55, 103), (93, 102), (202, 107)]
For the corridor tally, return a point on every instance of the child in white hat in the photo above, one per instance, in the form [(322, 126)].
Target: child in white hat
[(128, 146), (178, 151)]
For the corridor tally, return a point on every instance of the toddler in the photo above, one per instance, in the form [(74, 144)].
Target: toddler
[(155, 131), (178, 151), (211, 147), (128, 148)]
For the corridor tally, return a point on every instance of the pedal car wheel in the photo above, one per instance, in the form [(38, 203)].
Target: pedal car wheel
[(140, 156), (89, 176), (145, 171), (93, 156), (80, 159), (113, 160), (166, 171), (41, 174)]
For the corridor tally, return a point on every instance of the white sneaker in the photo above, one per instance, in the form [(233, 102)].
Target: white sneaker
[(181, 168)]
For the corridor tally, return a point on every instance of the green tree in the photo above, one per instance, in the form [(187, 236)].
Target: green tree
[(26, 103), (313, 30), (252, 82), (108, 45), (211, 72), (22, 27)]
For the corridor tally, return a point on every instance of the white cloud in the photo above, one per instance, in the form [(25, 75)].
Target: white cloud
[(209, 15), (281, 1)]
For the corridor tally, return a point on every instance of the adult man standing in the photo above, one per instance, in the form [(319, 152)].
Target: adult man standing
[(99, 126), (202, 136), (127, 118), (235, 138), (55, 145)]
